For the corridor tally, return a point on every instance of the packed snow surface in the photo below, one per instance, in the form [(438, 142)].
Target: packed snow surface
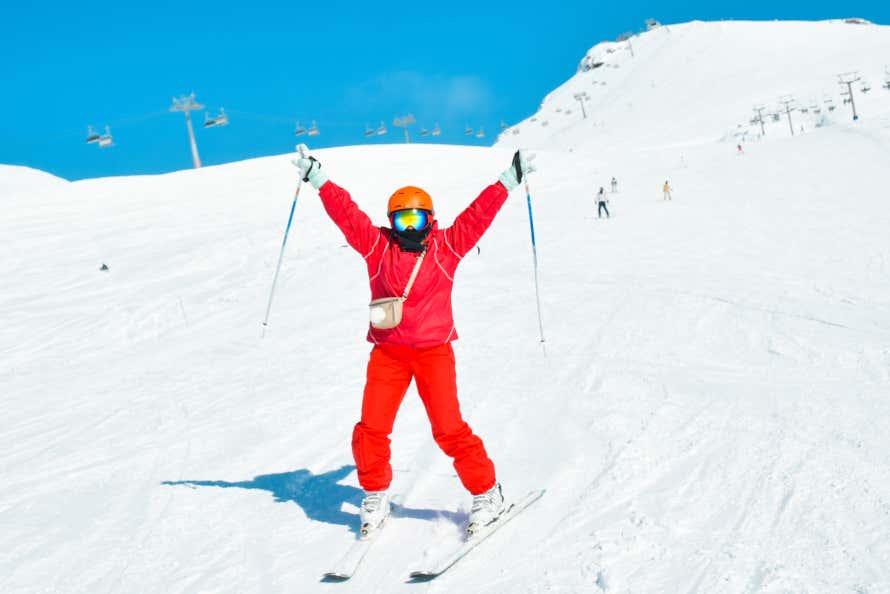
[(710, 414)]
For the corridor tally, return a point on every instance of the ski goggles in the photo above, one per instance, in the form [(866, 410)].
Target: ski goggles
[(415, 218)]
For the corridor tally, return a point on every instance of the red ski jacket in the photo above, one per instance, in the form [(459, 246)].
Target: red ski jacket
[(427, 320)]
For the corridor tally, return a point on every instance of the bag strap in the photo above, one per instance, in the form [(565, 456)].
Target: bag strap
[(413, 275)]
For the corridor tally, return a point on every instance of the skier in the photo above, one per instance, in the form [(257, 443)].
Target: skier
[(614, 185), (412, 338), (601, 204), (741, 151), (667, 190)]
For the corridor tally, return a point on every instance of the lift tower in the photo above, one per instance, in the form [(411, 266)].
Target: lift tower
[(186, 104)]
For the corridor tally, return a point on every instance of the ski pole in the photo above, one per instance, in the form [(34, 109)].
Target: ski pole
[(290, 219), (531, 223)]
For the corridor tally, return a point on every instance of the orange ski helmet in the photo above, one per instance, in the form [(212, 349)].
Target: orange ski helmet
[(409, 197)]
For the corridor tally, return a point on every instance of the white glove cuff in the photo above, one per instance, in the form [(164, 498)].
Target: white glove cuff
[(317, 177), (508, 178)]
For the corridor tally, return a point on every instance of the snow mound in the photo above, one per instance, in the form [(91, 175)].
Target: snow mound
[(16, 179)]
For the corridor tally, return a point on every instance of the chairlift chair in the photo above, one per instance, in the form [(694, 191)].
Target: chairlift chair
[(221, 119), (468, 131), (424, 132), (436, 130), (299, 130), (480, 133), (106, 139), (92, 135), (865, 88), (369, 131), (504, 125), (382, 129), (313, 129)]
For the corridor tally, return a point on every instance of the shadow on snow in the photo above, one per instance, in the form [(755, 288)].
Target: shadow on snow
[(320, 496)]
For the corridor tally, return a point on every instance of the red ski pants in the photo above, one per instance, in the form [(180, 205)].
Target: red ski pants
[(390, 370)]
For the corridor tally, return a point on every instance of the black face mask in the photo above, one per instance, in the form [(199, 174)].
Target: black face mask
[(411, 240)]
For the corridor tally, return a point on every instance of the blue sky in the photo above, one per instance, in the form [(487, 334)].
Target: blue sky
[(343, 64)]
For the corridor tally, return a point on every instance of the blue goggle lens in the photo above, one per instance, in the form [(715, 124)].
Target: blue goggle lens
[(414, 218)]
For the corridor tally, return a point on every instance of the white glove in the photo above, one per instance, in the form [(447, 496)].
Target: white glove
[(519, 168), (310, 167)]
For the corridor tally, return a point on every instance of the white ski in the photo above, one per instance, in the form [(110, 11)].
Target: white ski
[(349, 562), (438, 566), (346, 566)]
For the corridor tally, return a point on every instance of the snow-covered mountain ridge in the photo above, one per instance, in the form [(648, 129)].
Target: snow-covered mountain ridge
[(699, 81)]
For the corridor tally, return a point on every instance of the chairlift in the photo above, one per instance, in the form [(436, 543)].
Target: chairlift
[(803, 109), (313, 129), (92, 135), (504, 125), (382, 129), (865, 88), (106, 139), (887, 84), (468, 131), (436, 131), (424, 132), (480, 133), (299, 130), (220, 120), (369, 131), (776, 117)]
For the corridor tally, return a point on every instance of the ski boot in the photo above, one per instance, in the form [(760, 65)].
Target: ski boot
[(374, 511), (487, 508)]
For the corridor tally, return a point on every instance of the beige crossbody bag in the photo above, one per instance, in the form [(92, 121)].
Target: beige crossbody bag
[(386, 312)]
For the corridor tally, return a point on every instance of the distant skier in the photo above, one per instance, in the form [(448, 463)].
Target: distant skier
[(601, 204), (740, 150), (667, 190), (614, 185), (412, 334)]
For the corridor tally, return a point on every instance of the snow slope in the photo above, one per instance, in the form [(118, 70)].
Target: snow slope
[(710, 414), (699, 81)]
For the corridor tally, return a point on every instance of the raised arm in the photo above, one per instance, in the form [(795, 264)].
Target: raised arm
[(356, 226), (471, 224)]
